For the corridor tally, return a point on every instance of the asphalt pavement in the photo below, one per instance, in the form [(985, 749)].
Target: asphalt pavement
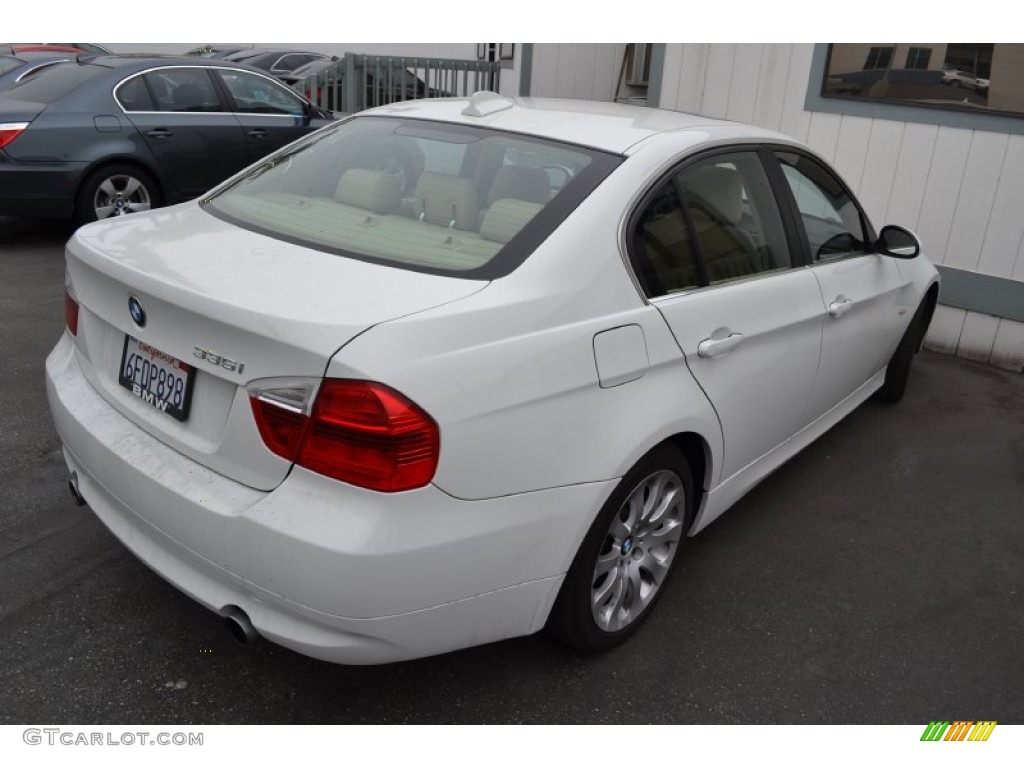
[(876, 578)]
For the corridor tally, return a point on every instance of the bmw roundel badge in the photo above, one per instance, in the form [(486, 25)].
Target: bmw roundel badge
[(138, 313)]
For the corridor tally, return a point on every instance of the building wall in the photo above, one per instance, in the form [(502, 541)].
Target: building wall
[(961, 191), (576, 70)]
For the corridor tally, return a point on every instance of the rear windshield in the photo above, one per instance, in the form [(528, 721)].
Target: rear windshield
[(52, 83), (7, 64), (432, 197)]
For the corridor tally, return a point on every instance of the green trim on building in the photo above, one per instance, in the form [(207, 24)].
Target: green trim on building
[(974, 291), (525, 68), (656, 74)]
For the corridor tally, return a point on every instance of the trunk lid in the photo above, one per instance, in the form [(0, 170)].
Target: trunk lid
[(269, 308)]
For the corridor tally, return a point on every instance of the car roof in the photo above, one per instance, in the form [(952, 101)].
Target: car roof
[(136, 62), (601, 125)]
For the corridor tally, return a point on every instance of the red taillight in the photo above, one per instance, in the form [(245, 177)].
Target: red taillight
[(9, 132), (360, 432), (70, 311)]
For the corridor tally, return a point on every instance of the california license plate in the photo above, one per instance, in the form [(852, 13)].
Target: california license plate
[(156, 378)]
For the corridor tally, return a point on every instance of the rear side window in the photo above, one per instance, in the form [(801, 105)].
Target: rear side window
[(431, 197), (185, 89), (52, 83), (712, 221)]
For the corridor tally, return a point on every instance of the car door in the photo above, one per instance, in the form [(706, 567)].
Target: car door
[(185, 124), (862, 292), (710, 249), (271, 114)]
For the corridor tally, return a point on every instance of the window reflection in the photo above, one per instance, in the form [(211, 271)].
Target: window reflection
[(966, 76)]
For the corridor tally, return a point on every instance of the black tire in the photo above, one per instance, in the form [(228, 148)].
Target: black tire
[(114, 190), (573, 618), (898, 371)]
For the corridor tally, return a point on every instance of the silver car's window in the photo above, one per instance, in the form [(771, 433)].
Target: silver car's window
[(255, 94), (428, 196)]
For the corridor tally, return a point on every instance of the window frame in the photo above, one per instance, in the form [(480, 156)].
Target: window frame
[(795, 236)]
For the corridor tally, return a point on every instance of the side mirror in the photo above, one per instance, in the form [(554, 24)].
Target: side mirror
[(898, 242)]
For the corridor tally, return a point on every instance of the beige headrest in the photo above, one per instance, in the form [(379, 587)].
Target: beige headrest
[(505, 218), (373, 190), (720, 188), (442, 200)]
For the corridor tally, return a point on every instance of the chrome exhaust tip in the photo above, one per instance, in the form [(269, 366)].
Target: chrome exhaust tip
[(73, 487), (239, 625)]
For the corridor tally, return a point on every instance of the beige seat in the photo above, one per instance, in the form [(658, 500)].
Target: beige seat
[(448, 201), (374, 191), (517, 182), (715, 200), (505, 218)]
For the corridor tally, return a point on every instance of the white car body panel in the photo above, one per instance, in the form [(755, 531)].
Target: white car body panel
[(759, 388), (548, 384), (279, 309), (857, 344)]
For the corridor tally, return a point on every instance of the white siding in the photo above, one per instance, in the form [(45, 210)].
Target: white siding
[(961, 191), (576, 71)]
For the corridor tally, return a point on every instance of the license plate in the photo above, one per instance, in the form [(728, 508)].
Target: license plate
[(156, 378)]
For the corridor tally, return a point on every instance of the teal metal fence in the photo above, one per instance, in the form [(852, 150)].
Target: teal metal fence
[(360, 81)]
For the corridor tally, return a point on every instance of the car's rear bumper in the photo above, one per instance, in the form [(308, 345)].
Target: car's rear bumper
[(334, 572), (44, 189)]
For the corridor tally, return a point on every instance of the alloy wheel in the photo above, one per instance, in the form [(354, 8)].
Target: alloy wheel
[(638, 550)]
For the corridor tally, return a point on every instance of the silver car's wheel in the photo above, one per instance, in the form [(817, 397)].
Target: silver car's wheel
[(628, 554), (119, 195), (638, 550)]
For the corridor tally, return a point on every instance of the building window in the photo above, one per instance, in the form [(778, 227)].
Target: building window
[(981, 78), (917, 58), (878, 58)]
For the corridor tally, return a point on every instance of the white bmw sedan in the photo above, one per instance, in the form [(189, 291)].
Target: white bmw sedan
[(457, 370)]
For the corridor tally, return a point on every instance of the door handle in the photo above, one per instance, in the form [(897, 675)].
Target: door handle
[(257, 133), (840, 306), (716, 347), (160, 133)]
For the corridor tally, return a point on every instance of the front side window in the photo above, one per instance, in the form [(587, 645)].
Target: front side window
[(254, 94), (432, 197), (831, 219)]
